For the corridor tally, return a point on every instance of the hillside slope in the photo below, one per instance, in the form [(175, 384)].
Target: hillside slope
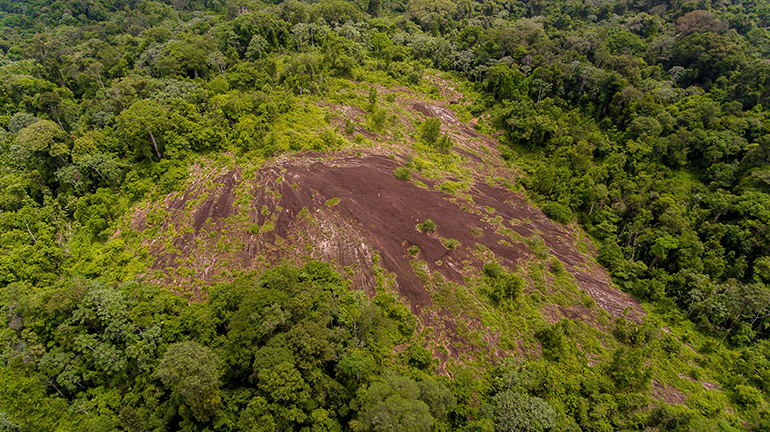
[(349, 209)]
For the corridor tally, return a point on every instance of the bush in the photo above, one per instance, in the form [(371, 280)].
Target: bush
[(426, 226), (557, 267), (502, 285), (404, 72), (402, 173), (629, 369), (350, 127), (508, 287), (450, 187), (709, 403), (319, 271), (413, 250), (450, 243), (330, 139), (673, 418), (493, 270), (419, 357), (747, 396), (554, 342), (611, 256), (430, 134), (506, 153), (444, 144), (430, 131), (377, 119), (558, 212)]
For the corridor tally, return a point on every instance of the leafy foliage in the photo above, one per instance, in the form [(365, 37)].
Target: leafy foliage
[(516, 413)]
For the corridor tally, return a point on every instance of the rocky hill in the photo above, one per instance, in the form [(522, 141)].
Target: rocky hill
[(348, 208)]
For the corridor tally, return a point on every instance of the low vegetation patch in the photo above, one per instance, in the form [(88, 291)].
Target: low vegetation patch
[(332, 202), (450, 243), (402, 173), (426, 226)]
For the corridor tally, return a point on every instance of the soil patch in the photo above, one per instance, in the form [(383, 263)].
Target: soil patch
[(347, 210), (669, 395)]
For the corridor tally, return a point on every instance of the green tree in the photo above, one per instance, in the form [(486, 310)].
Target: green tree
[(394, 405), (356, 365), (712, 55), (439, 399), (24, 401), (190, 371), (514, 413), (430, 131), (43, 145), (144, 122), (628, 369), (374, 7), (661, 248), (284, 386), (503, 82), (19, 121), (188, 57), (419, 9), (50, 101)]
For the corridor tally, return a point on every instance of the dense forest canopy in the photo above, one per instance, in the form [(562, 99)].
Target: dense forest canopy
[(643, 121)]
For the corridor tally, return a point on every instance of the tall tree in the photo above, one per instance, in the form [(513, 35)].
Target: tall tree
[(190, 371), (43, 142), (144, 122)]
